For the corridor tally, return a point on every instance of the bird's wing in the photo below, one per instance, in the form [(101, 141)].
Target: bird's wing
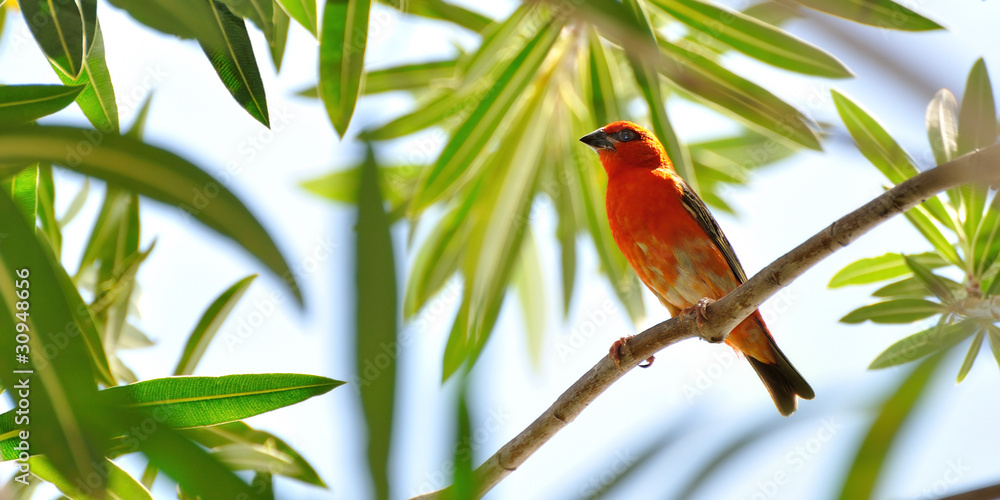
[(697, 208)]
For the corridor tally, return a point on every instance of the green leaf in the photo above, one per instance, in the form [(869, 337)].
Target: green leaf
[(603, 98), (986, 246), (936, 284), (739, 97), (977, 128), (24, 103), (866, 468), (57, 26), (994, 341), (342, 58), (396, 183), (882, 150), (209, 324), (46, 208), (278, 42), (942, 126), (885, 267), (920, 218), (894, 311), (259, 12), (241, 433), (152, 172), (648, 78), (62, 390), (233, 59), (920, 344), (304, 13), (182, 402), (377, 323), (439, 256), (97, 100), (970, 357), (76, 204), (528, 279), (439, 9), (88, 11), (879, 13), (22, 187), (409, 76), (913, 287), (755, 38), (119, 484), (468, 143)]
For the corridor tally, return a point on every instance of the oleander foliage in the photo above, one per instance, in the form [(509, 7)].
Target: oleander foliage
[(502, 119)]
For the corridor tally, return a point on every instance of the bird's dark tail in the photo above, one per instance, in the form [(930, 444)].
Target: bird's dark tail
[(782, 381)]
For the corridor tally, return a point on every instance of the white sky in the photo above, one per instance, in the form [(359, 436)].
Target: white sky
[(193, 115)]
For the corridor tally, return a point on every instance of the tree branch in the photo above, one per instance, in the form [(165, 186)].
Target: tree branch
[(726, 313)]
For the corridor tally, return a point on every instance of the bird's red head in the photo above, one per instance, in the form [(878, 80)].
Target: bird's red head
[(624, 144)]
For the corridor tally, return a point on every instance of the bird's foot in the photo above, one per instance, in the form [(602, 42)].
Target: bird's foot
[(615, 354), (700, 313)]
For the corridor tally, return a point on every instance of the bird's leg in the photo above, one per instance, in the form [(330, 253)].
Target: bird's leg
[(616, 356)]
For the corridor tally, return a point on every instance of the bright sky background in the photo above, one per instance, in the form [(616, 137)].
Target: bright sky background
[(193, 115)]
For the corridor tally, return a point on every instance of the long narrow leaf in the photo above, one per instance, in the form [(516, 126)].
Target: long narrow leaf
[(58, 28), (304, 13), (970, 356), (233, 59), (884, 267), (97, 100), (923, 343), (880, 13), (342, 57), (977, 128), (377, 323), (210, 322), (24, 103)]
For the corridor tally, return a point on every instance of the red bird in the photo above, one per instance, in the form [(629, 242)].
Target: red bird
[(678, 250)]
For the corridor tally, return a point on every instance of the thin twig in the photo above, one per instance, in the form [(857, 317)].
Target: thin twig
[(724, 314)]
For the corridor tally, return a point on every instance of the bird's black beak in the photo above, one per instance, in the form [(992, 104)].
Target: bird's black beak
[(598, 140)]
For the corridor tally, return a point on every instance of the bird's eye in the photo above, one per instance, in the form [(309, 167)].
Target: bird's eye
[(627, 135)]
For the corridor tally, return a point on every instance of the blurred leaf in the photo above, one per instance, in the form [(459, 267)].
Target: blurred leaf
[(76, 204), (883, 151), (254, 457), (970, 357), (920, 218), (875, 269), (936, 284), (439, 9), (97, 100), (209, 324), (647, 77), (241, 433), (739, 97), (119, 484), (986, 246), (774, 13), (604, 98), (920, 344), (468, 144), (277, 44), (912, 287), (377, 323), (46, 208), (233, 59), (63, 414), (438, 257), (879, 13), (894, 311), (155, 173), (994, 341), (942, 126), (304, 13), (530, 283), (977, 120), (755, 38), (463, 486), (58, 28), (868, 463), (24, 103), (395, 182), (133, 338), (405, 77), (749, 435), (342, 57)]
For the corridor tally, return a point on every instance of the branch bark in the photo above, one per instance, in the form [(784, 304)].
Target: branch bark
[(724, 314)]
